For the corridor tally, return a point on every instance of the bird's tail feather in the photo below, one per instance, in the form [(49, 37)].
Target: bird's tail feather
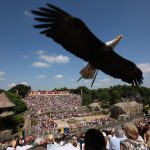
[(88, 72)]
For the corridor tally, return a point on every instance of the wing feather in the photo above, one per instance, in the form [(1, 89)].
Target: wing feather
[(121, 68)]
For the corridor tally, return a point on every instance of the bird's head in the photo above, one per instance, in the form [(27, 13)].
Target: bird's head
[(119, 37)]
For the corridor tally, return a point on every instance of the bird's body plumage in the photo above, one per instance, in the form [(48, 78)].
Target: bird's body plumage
[(75, 37)]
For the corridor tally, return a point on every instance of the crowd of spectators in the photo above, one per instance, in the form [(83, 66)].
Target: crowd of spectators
[(128, 136), (41, 103), (42, 124), (58, 106)]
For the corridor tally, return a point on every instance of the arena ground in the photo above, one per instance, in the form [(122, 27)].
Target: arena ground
[(63, 122)]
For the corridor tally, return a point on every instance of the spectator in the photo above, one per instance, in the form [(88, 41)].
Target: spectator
[(115, 141), (147, 138), (94, 140), (132, 143)]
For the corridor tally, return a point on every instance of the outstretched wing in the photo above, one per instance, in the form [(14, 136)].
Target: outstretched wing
[(121, 68), (67, 30), (75, 37)]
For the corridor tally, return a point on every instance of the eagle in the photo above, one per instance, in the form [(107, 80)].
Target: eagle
[(74, 36)]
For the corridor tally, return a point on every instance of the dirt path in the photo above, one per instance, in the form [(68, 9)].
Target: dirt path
[(27, 122)]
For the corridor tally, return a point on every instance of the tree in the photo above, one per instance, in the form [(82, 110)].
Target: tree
[(104, 95), (20, 104), (94, 94), (1, 91), (145, 110), (115, 96), (86, 99), (145, 95), (18, 119), (61, 89), (82, 89), (20, 89)]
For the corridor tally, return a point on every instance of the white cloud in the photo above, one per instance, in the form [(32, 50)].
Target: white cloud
[(58, 77), (86, 81), (11, 85), (105, 80), (41, 76), (40, 64), (145, 67), (14, 84), (2, 75), (40, 52), (25, 57), (28, 14), (72, 80), (55, 59), (24, 83)]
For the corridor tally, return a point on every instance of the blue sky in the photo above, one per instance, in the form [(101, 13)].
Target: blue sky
[(29, 58)]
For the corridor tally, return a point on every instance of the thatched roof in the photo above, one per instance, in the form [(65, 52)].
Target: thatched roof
[(5, 102)]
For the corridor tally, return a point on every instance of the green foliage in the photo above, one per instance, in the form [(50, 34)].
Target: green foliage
[(105, 106), (104, 95), (21, 89), (18, 119), (94, 93), (145, 95), (86, 99), (61, 89), (20, 104), (82, 89), (1, 91), (115, 96), (145, 110)]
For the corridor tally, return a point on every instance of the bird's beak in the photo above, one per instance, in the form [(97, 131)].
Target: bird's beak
[(119, 37)]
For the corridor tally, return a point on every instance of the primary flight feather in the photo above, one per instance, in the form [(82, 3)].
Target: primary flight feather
[(75, 37)]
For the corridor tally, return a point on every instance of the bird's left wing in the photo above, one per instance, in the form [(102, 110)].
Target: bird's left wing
[(68, 31)]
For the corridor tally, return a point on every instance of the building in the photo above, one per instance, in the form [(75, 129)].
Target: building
[(6, 110), (129, 108), (94, 107)]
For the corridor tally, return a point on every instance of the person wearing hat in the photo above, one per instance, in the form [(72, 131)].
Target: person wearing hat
[(51, 144), (132, 142)]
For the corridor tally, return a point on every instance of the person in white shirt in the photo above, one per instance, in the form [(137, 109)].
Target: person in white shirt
[(68, 146), (115, 141)]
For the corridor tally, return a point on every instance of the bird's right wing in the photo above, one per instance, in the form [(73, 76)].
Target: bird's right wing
[(121, 68)]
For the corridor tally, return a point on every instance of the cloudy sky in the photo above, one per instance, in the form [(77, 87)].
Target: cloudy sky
[(29, 58)]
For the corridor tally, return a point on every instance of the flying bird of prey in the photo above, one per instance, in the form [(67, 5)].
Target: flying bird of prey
[(72, 33)]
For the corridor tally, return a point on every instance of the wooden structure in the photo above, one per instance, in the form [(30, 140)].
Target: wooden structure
[(6, 110)]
